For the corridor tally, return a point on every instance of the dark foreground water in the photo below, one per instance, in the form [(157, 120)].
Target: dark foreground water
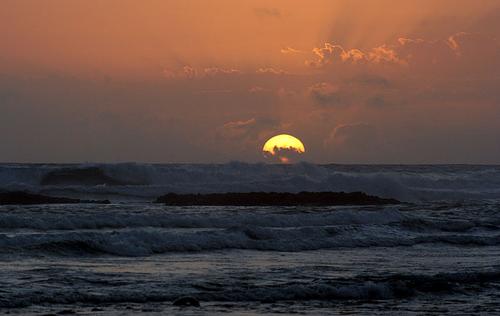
[(430, 256)]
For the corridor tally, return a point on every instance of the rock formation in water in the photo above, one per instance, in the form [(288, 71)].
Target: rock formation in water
[(275, 199), (186, 301)]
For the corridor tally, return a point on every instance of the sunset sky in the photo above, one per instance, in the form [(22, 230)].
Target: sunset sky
[(210, 81)]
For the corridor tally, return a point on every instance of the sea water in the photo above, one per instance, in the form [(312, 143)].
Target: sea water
[(436, 253)]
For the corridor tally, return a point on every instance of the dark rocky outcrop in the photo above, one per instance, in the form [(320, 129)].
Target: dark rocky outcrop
[(186, 301), (82, 176), (275, 199), (25, 198)]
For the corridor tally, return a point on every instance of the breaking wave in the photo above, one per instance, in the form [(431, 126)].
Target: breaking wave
[(146, 229), (132, 242), (358, 288)]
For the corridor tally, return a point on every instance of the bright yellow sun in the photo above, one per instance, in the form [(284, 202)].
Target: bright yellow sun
[(281, 146)]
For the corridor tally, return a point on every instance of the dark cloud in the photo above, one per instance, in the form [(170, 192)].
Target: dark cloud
[(284, 155), (356, 135), (377, 101), (237, 129), (355, 142), (372, 80), (244, 130), (325, 93)]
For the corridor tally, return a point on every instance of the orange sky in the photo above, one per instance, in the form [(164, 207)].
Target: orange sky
[(208, 81)]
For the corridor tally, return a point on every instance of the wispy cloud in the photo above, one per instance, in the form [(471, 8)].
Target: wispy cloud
[(267, 12), (290, 50), (270, 70)]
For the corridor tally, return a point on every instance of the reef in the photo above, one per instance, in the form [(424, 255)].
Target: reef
[(275, 199)]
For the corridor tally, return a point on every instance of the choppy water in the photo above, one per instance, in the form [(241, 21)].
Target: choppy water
[(438, 254)]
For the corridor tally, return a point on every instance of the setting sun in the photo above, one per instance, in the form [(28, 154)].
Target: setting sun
[(163, 141), (281, 146)]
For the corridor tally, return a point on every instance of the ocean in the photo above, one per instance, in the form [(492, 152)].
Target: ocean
[(436, 253)]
